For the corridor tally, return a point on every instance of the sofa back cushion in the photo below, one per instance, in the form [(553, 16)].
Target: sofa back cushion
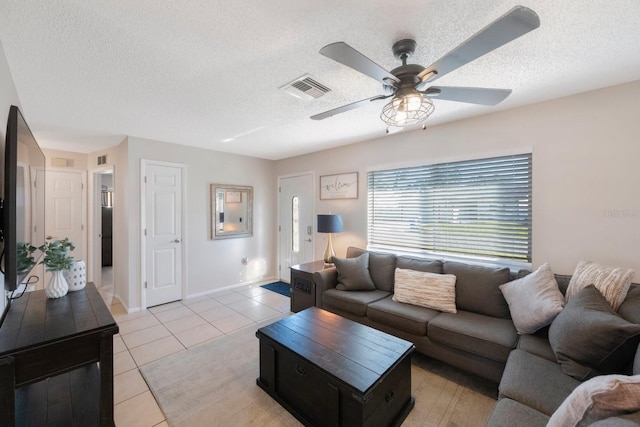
[(382, 267), (630, 308), (477, 288), (419, 264)]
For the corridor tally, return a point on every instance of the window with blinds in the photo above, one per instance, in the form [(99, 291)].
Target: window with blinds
[(476, 209)]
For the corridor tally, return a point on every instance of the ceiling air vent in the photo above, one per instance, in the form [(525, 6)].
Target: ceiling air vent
[(102, 160), (305, 87)]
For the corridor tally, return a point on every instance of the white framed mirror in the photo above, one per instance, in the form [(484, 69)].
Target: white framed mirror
[(231, 211)]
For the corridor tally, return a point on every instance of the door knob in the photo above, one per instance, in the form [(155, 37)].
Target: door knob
[(49, 237), (308, 240), (176, 241)]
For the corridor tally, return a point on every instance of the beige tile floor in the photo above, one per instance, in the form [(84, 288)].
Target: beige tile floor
[(167, 329)]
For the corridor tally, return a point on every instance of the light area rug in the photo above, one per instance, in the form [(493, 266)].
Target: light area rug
[(214, 384)]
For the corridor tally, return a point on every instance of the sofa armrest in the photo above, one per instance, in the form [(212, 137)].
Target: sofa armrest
[(324, 280)]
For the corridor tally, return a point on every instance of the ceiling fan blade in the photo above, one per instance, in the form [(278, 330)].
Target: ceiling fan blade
[(513, 24), (471, 95), (348, 107), (346, 55)]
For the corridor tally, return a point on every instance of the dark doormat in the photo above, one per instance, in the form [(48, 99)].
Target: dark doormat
[(279, 287)]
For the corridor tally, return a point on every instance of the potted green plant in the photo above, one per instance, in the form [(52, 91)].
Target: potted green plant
[(56, 260)]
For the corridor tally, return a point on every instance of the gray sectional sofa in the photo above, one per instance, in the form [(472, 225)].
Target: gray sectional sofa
[(479, 338)]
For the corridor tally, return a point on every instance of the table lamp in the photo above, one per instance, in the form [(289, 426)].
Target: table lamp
[(329, 224)]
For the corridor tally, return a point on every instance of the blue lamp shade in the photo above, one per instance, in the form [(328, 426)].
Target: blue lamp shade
[(329, 223)]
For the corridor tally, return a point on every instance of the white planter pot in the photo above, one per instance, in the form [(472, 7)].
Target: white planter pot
[(57, 286), (76, 276)]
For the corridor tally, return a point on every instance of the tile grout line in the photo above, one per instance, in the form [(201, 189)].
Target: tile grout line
[(181, 304)]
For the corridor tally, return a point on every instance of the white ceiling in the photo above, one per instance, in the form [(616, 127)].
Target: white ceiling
[(199, 72)]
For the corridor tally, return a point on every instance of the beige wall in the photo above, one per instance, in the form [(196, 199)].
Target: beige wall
[(586, 151), (210, 264), (75, 161)]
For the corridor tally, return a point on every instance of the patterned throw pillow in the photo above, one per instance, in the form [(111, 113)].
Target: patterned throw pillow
[(534, 300), (597, 399), (431, 290), (613, 283)]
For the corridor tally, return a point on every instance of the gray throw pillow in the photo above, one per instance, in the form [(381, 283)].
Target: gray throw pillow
[(353, 273), (534, 300), (382, 267), (589, 338)]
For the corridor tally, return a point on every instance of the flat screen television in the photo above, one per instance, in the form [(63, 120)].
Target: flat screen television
[(22, 217)]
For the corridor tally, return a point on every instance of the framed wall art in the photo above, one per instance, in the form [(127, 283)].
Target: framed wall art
[(339, 186)]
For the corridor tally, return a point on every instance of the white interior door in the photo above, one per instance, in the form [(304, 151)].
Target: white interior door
[(65, 209), (296, 223), (163, 229)]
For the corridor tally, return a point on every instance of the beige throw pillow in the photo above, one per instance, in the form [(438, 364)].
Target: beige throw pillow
[(597, 399), (430, 290), (613, 283)]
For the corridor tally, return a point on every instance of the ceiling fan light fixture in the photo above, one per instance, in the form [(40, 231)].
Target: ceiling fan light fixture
[(408, 107)]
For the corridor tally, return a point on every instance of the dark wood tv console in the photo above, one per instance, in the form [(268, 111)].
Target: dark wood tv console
[(56, 360)]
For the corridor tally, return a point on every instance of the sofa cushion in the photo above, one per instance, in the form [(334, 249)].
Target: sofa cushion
[(381, 267), (537, 344), (613, 283), (589, 338), (636, 362), (477, 288), (353, 273), (404, 317), (630, 307), (485, 336), (351, 302), (430, 290), (534, 300), (509, 413), (419, 264), (535, 382), (597, 399)]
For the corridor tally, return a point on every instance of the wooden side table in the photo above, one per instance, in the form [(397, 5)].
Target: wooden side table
[(50, 351), (303, 289)]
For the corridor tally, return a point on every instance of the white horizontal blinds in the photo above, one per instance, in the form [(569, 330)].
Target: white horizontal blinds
[(477, 208)]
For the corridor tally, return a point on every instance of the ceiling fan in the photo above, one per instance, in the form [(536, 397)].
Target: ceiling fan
[(409, 84)]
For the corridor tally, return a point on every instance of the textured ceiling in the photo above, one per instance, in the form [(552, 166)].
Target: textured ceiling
[(198, 73)]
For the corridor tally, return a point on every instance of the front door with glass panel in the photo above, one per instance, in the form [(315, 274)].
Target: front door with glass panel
[(295, 223)]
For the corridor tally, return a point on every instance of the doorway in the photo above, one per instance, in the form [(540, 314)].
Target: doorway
[(101, 230), (65, 208), (106, 229), (295, 206)]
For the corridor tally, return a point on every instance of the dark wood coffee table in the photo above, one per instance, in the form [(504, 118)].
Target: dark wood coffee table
[(330, 371)]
